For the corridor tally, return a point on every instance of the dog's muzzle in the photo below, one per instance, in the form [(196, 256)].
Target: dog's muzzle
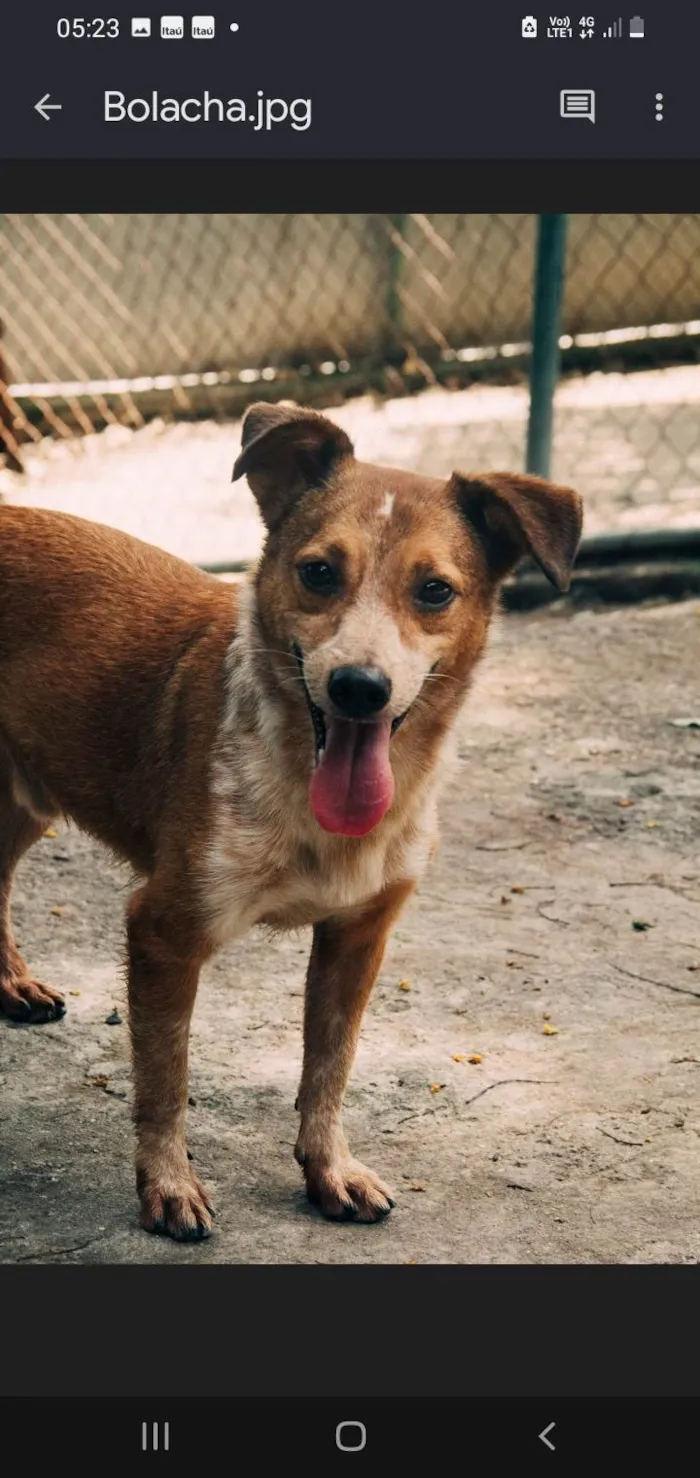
[(318, 717)]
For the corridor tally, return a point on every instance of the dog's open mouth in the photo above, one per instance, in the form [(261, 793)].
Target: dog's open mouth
[(352, 786)]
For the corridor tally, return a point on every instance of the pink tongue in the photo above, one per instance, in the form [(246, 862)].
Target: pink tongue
[(353, 786)]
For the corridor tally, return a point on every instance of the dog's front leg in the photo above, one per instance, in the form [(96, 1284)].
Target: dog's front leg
[(345, 959), (165, 956)]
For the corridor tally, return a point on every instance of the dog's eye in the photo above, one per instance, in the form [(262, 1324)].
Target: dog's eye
[(318, 577), (434, 593)]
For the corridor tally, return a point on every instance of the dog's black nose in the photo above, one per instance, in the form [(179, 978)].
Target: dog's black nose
[(359, 692)]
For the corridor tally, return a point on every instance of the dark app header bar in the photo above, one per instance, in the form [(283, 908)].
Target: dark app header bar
[(370, 81)]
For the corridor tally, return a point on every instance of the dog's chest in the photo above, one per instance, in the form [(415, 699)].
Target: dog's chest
[(255, 880), (287, 877)]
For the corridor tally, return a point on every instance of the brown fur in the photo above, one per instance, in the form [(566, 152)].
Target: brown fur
[(166, 715)]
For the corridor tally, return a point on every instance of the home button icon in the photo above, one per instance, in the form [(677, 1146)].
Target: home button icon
[(351, 1436)]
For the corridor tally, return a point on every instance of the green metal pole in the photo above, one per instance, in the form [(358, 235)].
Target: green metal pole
[(544, 369)]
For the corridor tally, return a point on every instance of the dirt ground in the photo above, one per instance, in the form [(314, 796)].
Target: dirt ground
[(557, 937)]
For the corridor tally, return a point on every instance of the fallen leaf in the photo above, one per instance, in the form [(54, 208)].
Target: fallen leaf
[(414, 1186), (476, 1057), (436, 1087), (462, 1056), (100, 1081), (504, 899), (685, 723), (641, 925), (404, 985), (59, 911), (517, 890), (624, 803), (74, 992), (50, 832), (651, 825), (550, 1031), (546, 1015)]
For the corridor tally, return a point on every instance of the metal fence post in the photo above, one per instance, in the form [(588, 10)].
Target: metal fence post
[(544, 368)]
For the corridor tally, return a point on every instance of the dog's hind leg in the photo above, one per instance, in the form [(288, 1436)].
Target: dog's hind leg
[(21, 823)]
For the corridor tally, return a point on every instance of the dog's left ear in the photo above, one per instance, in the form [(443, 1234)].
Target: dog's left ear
[(285, 451), (516, 514)]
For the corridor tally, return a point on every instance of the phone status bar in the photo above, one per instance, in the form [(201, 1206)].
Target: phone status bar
[(586, 28)]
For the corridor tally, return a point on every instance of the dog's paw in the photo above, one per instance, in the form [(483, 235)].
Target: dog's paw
[(176, 1206), (28, 1001), (347, 1191)]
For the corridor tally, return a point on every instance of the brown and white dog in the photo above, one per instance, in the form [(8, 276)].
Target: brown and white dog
[(263, 755)]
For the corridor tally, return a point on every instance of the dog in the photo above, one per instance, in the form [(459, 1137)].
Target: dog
[(264, 754)]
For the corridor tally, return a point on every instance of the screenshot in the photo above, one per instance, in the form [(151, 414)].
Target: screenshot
[(349, 736)]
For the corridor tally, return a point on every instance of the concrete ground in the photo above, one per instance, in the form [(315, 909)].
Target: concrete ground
[(557, 938)]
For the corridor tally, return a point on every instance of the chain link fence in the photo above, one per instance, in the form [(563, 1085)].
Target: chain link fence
[(113, 320)]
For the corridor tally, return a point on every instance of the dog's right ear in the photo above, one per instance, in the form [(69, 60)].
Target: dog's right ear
[(285, 451)]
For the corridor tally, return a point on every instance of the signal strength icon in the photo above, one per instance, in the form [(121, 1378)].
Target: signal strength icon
[(615, 30)]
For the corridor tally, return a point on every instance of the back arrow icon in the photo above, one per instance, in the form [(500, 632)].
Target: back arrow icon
[(46, 108), (544, 1437)]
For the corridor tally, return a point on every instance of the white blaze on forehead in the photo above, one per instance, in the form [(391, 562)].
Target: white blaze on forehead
[(387, 505)]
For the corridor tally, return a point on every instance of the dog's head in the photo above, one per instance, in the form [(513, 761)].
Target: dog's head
[(375, 591)]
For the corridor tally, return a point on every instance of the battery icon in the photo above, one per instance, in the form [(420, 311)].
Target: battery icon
[(636, 26)]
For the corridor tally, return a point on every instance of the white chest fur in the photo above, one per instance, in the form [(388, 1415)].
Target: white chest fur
[(288, 873)]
